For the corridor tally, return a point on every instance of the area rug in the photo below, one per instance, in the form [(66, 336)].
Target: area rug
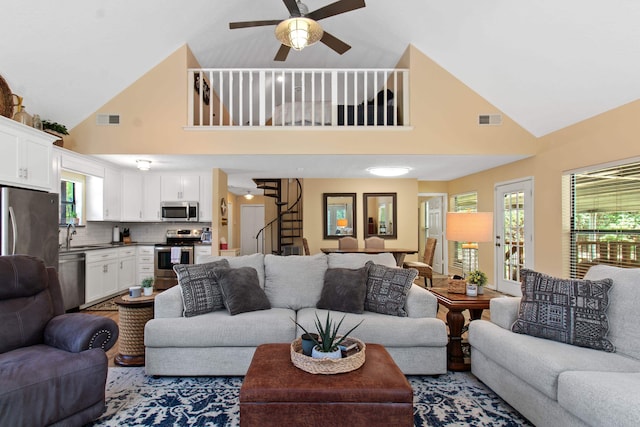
[(134, 399), (108, 305)]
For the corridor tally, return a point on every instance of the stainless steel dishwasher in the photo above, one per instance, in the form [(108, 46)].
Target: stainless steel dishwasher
[(71, 272)]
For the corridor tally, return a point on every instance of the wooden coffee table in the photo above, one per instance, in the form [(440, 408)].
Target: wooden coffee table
[(276, 393), (456, 304)]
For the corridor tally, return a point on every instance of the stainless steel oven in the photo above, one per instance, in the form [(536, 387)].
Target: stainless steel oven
[(177, 250)]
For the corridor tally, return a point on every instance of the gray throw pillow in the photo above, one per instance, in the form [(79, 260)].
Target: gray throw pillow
[(570, 311), (241, 290), (387, 289), (344, 290), (198, 284)]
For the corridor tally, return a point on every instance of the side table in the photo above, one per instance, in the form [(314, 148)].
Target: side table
[(456, 304), (133, 314)]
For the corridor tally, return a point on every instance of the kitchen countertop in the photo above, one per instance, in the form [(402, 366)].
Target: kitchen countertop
[(98, 246)]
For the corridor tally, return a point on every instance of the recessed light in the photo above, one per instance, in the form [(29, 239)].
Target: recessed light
[(389, 170)]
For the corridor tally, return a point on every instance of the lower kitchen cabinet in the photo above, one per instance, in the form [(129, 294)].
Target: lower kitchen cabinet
[(101, 274), (127, 267), (145, 262)]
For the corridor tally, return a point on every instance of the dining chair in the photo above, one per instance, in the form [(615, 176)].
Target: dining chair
[(374, 242), (305, 245), (347, 243), (424, 268)]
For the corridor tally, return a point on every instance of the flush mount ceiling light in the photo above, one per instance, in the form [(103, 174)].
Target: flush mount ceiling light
[(248, 196), (389, 170), (143, 165)]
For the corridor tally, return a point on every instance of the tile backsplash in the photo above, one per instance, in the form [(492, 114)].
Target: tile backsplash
[(102, 232)]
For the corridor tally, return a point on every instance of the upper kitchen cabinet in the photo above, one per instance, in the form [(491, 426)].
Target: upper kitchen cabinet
[(179, 187), (140, 196), (103, 196), (26, 155)]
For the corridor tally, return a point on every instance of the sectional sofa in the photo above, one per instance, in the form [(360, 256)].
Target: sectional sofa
[(553, 383), (217, 343)]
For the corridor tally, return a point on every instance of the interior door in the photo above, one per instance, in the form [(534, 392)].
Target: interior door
[(514, 233), (434, 215), (251, 222)]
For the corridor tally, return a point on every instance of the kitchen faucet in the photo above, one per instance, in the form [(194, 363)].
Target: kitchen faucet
[(70, 234)]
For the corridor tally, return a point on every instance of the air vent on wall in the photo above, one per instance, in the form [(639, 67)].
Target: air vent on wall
[(108, 119), (490, 119)]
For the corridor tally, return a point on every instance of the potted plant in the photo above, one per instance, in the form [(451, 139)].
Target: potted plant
[(326, 345), (479, 279), (75, 218), (147, 286)]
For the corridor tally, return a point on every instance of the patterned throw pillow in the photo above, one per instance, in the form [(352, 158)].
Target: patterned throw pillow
[(570, 311), (387, 289), (344, 290), (200, 291), (241, 290)]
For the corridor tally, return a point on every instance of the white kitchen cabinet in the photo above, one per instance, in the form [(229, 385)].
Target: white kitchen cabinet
[(201, 250), (150, 197), (145, 262), (179, 187), (131, 196), (101, 274), (127, 270), (25, 159), (206, 185), (103, 196)]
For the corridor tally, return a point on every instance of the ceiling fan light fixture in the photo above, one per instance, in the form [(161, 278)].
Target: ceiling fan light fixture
[(298, 32), (389, 171)]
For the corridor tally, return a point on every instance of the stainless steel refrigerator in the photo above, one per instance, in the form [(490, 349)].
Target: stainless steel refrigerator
[(29, 224)]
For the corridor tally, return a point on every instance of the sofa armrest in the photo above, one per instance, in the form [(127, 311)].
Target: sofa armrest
[(169, 303), (76, 332), (504, 311), (420, 303)]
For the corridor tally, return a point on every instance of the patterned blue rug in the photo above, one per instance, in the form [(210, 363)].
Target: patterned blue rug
[(133, 399)]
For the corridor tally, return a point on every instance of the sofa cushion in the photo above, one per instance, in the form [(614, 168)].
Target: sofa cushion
[(344, 290), (570, 311), (387, 289), (359, 260), (601, 398), (294, 281), (241, 290), (624, 299), (255, 261), (200, 291)]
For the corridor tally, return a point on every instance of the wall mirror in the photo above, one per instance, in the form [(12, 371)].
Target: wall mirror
[(339, 215), (380, 215)]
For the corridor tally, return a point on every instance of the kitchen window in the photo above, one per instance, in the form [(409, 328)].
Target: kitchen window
[(71, 198)]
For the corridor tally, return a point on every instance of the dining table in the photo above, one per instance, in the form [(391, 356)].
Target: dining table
[(398, 253)]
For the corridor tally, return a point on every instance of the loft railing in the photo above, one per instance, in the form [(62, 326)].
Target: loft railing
[(298, 97)]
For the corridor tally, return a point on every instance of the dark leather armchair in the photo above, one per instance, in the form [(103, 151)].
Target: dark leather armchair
[(53, 366)]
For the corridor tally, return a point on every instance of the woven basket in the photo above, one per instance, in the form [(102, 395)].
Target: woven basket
[(326, 366), (457, 286)]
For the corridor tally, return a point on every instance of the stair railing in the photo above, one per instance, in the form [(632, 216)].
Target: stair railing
[(278, 220)]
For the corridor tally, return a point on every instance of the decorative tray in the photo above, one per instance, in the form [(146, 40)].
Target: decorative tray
[(327, 366)]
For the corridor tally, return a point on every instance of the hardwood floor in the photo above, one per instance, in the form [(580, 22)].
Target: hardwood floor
[(111, 354)]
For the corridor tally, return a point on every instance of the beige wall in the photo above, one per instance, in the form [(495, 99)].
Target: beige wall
[(407, 223), (609, 137)]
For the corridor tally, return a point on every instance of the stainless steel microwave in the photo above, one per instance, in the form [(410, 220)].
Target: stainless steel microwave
[(179, 211)]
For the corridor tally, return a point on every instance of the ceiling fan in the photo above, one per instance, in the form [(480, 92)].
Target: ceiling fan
[(301, 29)]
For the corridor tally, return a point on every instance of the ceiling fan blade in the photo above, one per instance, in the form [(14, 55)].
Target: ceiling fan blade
[(247, 24), (282, 53), (334, 43), (336, 8), (292, 7)]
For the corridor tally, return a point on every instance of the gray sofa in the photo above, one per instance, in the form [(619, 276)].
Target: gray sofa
[(557, 384), (216, 343)]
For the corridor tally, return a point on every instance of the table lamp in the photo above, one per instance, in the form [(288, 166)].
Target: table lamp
[(469, 228)]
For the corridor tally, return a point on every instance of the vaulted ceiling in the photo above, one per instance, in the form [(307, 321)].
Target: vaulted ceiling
[(546, 64)]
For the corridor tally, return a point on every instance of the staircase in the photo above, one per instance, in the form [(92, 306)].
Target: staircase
[(283, 234)]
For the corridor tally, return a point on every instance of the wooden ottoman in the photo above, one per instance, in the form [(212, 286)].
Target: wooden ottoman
[(276, 393)]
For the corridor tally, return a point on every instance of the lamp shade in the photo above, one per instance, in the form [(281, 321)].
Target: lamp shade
[(342, 222), (470, 226)]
